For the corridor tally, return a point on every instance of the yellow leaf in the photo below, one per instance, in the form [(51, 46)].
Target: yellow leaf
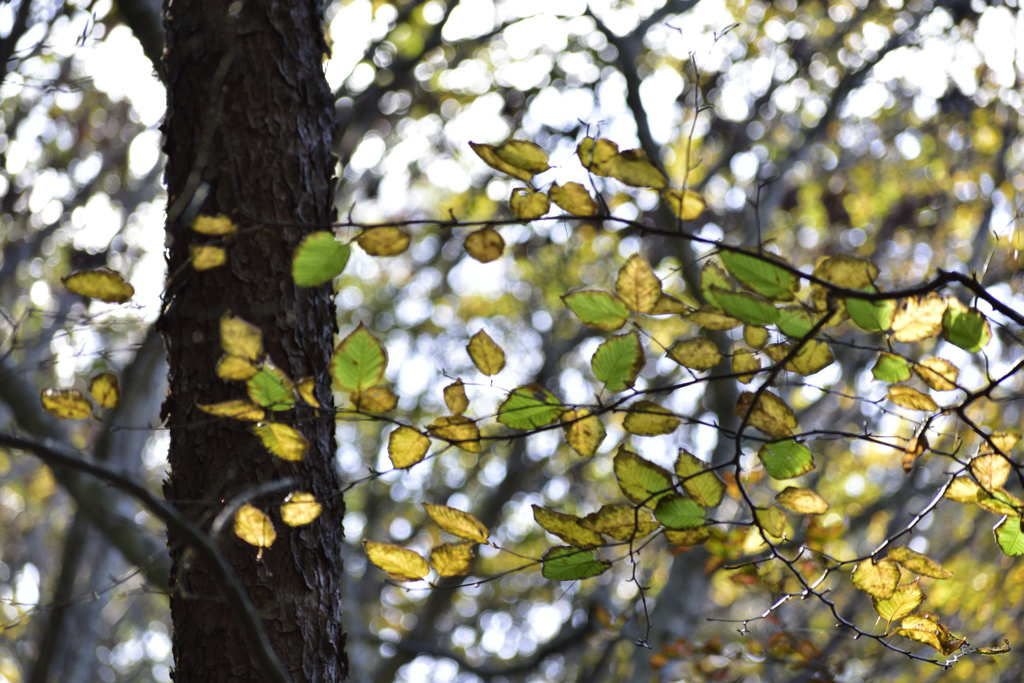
[(964, 490), (584, 432), (305, 387), (919, 317), (484, 245), (300, 508), (283, 441), (597, 157), (399, 563), (458, 430), (711, 318), (458, 523), (685, 204), (527, 205), (770, 414), (911, 399), (487, 356), (991, 471), (218, 225), (670, 305), (632, 167), (67, 404), (383, 241), (235, 368), (646, 418), (455, 397), (523, 154), (254, 527), (698, 353), (377, 399), (877, 579), (637, 285), (745, 364), (406, 447), (489, 154), (802, 501), (756, 337), (207, 256), (99, 284), (574, 198), (938, 373), (240, 338), (105, 390), (1004, 441), (236, 409), (452, 559)]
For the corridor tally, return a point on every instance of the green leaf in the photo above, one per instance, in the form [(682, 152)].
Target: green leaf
[(891, 368), (786, 459), (621, 522), (712, 277), (704, 486), (676, 512), (795, 321), (359, 361), (965, 327), (647, 418), (566, 563), (871, 316), (641, 480), (750, 308), (528, 407), (762, 275), (567, 527), (319, 258), (1009, 536), (698, 353), (271, 388), (598, 309), (617, 361), (772, 520)]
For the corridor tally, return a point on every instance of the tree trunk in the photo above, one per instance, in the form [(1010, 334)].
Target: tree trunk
[(248, 135)]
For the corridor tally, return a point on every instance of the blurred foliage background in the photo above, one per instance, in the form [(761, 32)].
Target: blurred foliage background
[(888, 130)]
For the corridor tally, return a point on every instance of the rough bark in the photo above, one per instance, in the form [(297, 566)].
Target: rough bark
[(248, 135)]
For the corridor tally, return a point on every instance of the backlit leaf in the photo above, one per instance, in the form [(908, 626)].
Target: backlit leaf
[(802, 501), (452, 559), (240, 338), (698, 353), (567, 528), (485, 245), (1001, 502), (383, 241), (300, 509), (877, 579), (937, 373), (772, 520), (319, 258), (67, 404), (99, 284), (379, 399), (641, 480), (566, 563), (847, 272), (598, 309), (991, 471), (458, 523), (750, 308), (637, 285), (306, 386), (584, 432), (597, 156), (105, 390), (965, 327), (925, 628), (786, 459), (689, 537), (676, 512), (814, 356), (685, 204), (714, 277), (915, 448), (761, 274), (918, 317), (574, 198), (617, 361), (528, 407), (702, 485), (459, 430), (490, 156), (621, 522), (918, 563), (756, 337), (236, 409), (891, 368), (283, 441), (795, 321), (669, 305), (632, 167), (770, 414), (711, 318), (1010, 536), (911, 399), (523, 154), (254, 527), (455, 397), (406, 447), (904, 600), (646, 418), (359, 361), (527, 205), (488, 357), (871, 316), (745, 364), (399, 563), (964, 490), (271, 388), (207, 256), (218, 225), (235, 368)]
